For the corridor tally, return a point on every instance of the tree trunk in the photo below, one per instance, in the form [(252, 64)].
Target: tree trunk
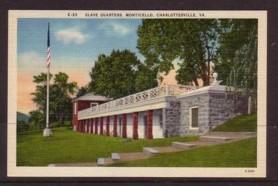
[(196, 82), (205, 79), (62, 118)]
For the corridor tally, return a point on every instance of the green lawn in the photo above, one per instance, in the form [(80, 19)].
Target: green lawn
[(66, 146), (237, 154), (245, 123)]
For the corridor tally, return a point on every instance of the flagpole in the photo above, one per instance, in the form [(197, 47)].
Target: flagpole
[(47, 131), (47, 97)]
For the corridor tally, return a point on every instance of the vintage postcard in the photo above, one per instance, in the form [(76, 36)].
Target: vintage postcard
[(137, 93)]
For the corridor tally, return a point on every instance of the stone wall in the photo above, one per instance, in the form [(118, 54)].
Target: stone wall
[(214, 108), (172, 119), (224, 107), (202, 102)]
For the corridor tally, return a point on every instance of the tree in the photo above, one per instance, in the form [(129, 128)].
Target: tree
[(37, 118), (145, 77), (114, 75), (82, 91), (60, 93), (22, 126), (22, 121), (237, 57), (39, 96), (193, 42)]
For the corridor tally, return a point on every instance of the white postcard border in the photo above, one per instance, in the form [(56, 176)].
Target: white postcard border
[(14, 171)]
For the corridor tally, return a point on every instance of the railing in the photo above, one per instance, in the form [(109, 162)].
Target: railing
[(147, 95)]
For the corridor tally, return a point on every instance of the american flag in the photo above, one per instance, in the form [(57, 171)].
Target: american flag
[(48, 48)]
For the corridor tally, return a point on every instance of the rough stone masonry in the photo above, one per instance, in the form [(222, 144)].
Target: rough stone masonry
[(215, 106)]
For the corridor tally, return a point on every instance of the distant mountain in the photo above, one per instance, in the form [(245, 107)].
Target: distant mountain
[(22, 117)]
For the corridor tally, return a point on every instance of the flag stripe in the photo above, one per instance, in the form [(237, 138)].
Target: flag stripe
[(48, 57), (48, 48)]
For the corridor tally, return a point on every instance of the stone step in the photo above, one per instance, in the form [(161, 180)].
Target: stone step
[(100, 161), (177, 144), (128, 156), (150, 151), (104, 161), (215, 138), (115, 156), (168, 149)]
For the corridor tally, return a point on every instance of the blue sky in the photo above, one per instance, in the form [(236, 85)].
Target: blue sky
[(75, 45), (75, 38)]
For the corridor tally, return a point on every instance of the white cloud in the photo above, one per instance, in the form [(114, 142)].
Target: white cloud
[(28, 57), (71, 35), (116, 27), (31, 60)]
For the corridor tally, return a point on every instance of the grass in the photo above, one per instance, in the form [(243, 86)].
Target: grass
[(244, 123), (66, 146), (59, 124), (32, 127), (237, 154)]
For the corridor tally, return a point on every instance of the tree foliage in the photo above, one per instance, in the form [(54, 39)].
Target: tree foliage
[(82, 91), (193, 42), (39, 96), (60, 92), (145, 77), (231, 44), (37, 118), (114, 75), (237, 56)]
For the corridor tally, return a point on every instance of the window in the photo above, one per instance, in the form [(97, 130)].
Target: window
[(194, 112)]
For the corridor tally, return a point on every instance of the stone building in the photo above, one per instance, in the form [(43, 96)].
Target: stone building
[(166, 110)]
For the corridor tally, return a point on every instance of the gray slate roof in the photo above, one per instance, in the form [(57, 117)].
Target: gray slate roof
[(92, 97)]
